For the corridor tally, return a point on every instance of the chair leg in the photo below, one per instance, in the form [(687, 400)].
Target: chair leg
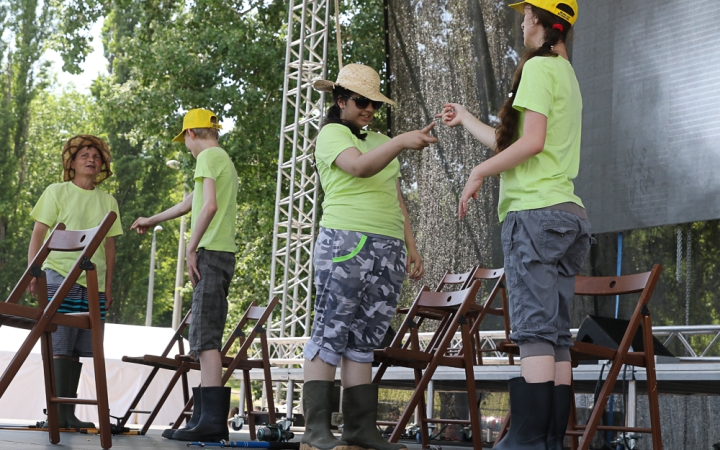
[(100, 379), (138, 397), (472, 400), (163, 398), (50, 389), (249, 404)]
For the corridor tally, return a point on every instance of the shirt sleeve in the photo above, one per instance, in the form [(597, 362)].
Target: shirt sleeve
[(46, 209), (536, 87), (333, 140), (206, 166)]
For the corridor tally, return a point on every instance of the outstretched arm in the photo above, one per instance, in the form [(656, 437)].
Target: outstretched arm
[(530, 144), (142, 224), (455, 114), (365, 165)]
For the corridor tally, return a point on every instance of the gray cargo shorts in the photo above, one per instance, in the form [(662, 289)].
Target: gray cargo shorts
[(544, 250), (209, 304), (358, 277)]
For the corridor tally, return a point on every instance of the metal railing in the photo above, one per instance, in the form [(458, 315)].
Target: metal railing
[(288, 351)]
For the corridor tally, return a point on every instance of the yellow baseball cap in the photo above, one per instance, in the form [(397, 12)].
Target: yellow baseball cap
[(197, 118), (568, 11)]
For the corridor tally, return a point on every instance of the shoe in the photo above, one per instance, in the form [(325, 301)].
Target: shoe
[(530, 404), (197, 409), (359, 408), (212, 424), (559, 418), (317, 406)]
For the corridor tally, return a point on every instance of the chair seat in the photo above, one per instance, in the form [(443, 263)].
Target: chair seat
[(403, 357), (152, 361), (22, 323)]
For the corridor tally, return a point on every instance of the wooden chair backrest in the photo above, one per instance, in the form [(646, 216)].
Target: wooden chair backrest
[(62, 240)]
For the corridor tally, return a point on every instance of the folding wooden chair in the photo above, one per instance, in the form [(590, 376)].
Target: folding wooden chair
[(477, 315), (163, 361), (43, 319), (462, 281), (610, 287), (254, 318), (451, 309)]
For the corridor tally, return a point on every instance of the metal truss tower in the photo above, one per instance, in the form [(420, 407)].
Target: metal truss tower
[(297, 185)]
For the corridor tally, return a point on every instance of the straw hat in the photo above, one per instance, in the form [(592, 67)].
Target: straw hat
[(74, 144), (358, 78)]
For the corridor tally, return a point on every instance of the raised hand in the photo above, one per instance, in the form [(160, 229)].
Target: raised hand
[(142, 224), (453, 114), (419, 139)]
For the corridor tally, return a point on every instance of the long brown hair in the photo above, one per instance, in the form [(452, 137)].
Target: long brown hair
[(507, 132)]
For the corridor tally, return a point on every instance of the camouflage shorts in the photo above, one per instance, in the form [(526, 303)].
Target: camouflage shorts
[(358, 277)]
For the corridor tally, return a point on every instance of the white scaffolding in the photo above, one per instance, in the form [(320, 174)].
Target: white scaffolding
[(297, 185)]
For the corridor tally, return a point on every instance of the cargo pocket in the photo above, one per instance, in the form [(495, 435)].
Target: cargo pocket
[(556, 238), (347, 253)]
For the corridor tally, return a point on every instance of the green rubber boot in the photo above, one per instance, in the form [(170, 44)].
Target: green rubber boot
[(359, 408), (67, 379), (317, 407)]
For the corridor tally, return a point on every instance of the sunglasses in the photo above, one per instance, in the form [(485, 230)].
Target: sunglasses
[(363, 102)]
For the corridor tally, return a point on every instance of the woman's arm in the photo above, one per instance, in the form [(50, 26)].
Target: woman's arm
[(365, 165), (110, 266), (530, 144), (455, 114), (36, 240), (415, 266)]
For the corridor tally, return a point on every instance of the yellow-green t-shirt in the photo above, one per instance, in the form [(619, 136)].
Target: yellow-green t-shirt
[(78, 209), (367, 205), (215, 163), (549, 87)]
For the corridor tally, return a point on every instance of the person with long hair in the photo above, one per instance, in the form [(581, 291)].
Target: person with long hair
[(545, 229), (359, 258)]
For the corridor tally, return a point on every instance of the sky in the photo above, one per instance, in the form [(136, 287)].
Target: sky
[(96, 64)]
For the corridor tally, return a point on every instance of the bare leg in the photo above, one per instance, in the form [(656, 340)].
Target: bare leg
[(210, 368), (563, 373), (538, 369), (354, 373), (317, 369)]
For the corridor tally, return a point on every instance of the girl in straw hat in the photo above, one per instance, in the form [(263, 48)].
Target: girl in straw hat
[(79, 204), (546, 233), (360, 259)]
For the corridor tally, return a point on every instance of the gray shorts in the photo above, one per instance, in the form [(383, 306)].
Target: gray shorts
[(358, 277), (544, 250), (209, 304), (68, 341)]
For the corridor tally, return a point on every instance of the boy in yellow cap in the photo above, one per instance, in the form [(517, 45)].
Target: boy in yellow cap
[(210, 259)]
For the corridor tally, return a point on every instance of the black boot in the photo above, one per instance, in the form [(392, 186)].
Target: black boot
[(359, 408), (197, 409), (212, 425), (530, 404), (317, 408), (559, 418)]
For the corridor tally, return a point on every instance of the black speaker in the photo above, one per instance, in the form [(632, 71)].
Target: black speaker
[(609, 332)]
